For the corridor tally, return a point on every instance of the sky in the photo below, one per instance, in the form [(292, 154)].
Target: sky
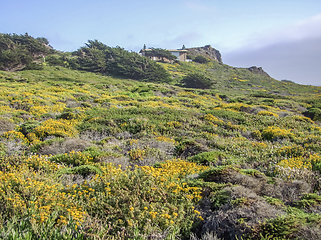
[(281, 36)]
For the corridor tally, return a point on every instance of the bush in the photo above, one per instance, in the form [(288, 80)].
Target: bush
[(196, 80), (201, 59), (83, 170), (205, 158), (313, 113)]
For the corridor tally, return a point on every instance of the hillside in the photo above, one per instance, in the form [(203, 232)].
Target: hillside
[(96, 155)]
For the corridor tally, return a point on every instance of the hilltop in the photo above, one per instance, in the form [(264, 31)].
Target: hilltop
[(102, 143)]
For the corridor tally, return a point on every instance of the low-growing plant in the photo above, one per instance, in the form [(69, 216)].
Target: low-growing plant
[(206, 158), (281, 227), (274, 201), (219, 198), (308, 200), (83, 170)]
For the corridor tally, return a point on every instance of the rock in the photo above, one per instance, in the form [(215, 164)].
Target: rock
[(258, 70), (206, 51)]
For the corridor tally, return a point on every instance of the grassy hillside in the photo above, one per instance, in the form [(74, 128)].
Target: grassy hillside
[(87, 156)]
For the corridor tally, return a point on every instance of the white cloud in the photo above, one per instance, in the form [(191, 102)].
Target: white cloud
[(297, 60), (309, 28)]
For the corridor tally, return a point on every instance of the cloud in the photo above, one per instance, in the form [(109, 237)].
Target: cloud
[(305, 29), (293, 54), (298, 61)]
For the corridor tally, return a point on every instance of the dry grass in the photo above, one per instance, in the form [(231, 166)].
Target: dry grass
[(5, 125), (70, 144)]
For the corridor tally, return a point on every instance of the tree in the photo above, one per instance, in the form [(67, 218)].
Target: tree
[(19, 51), (98, 57), (196, 80), (43, 40)]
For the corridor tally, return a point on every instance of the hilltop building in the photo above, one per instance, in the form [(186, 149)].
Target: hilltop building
[(181, 54)]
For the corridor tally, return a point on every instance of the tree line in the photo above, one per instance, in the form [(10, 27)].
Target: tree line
[(22, 52), (100, 58), (18, 52)]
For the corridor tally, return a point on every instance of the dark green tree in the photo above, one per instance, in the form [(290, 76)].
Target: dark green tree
[(19, 51), (98, 57), (43, 40)]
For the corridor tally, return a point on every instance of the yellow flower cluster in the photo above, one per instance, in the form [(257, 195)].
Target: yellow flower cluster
[(259, 145), (165, 139), (173, 169), (174, 124), (267, 113), (40, 110), (24, 192), (137, 154), (296, 163), (61, 127), (293, 151), (275, 132), (13, 135), (212, 119)]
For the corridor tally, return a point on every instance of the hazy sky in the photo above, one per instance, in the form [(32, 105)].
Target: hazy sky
[(282, 36)]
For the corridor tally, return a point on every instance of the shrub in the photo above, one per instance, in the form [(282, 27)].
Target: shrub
[(308, 200), (83, 170), (196, 80), (267, 113), (205, 158), (313, 113), (201, 59), (280, 227), (58, 128), (28, 127), (274, 133)]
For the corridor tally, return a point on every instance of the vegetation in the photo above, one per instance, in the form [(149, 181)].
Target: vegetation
[(99, 58), (196, 80), (20, 51), (85, 154), (201, 59)]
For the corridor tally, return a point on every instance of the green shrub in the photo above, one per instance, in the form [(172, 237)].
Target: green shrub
[(201, 59), (83, 170), (313, 113), (90, 155), (28, 127), (219, 198), (196, 80), (23, 229), (281, 227), (274, 201), (308, 200), (207, 157)]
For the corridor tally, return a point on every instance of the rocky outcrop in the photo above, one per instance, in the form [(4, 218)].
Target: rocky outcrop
[(258, 70), (206, 51)]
